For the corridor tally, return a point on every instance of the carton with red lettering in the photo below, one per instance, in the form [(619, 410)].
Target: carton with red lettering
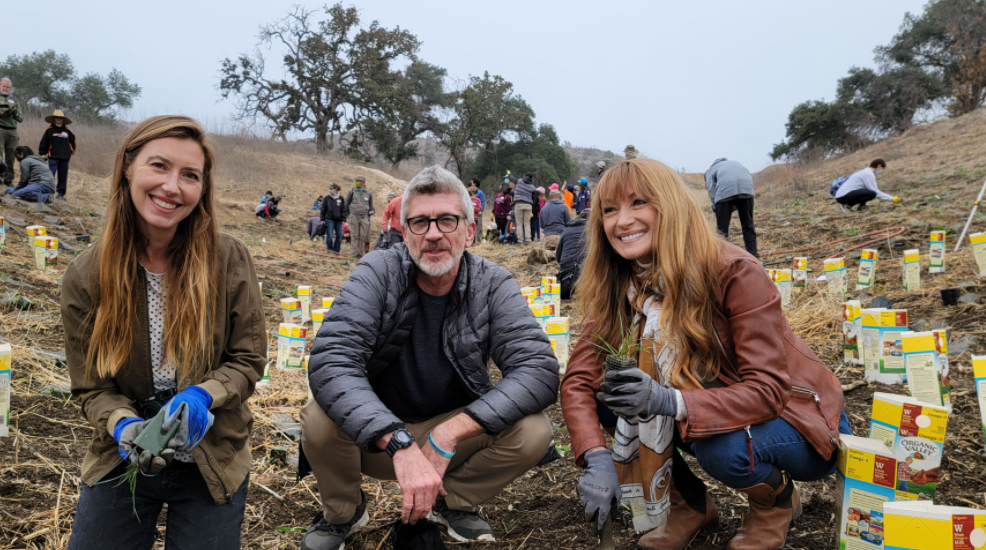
[(922, 525), (866, 479)]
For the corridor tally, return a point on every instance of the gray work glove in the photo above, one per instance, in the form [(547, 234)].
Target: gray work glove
[(633, 392), (599, 488), (148, 463)]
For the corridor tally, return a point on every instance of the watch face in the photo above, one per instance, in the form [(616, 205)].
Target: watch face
[(403, 438)]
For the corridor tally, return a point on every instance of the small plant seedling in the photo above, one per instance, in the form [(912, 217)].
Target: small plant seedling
[(130, 478)]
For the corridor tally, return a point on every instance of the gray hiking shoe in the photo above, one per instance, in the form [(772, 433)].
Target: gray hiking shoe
[(323, 535), (462, 526)]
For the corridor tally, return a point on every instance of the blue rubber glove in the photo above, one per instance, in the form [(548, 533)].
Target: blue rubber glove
[(633, 392), (191, 409), (125, 437)]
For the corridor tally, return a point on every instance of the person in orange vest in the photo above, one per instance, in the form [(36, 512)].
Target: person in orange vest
[(569, 197)]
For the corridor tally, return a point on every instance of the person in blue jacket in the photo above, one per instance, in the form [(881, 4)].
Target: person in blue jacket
[(479, 194)]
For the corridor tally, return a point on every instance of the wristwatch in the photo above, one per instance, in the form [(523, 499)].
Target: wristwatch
[(401, 439)]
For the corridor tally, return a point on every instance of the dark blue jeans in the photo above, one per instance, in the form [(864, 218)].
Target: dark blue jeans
[(726, 457), (59, 167), (333, 234), (105, 517), (535, 228)]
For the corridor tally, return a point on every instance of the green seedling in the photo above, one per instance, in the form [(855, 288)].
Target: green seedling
[(130, 478), (152, 439), (623, 357)]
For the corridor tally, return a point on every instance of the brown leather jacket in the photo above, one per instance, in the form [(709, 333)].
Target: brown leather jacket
[(767, 372), (240, 343)]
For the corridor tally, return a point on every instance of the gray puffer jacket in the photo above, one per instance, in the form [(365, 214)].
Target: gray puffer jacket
[(726, 179), (487, 318), (524, 191)]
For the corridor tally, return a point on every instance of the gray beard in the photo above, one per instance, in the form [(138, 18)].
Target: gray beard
[(433, 270)]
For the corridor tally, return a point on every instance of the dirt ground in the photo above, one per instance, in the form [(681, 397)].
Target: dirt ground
[(40, 462)]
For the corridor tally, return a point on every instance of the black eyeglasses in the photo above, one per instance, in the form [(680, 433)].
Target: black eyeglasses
[(446, 224)]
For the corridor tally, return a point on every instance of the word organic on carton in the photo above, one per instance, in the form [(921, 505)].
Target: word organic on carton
[(835, 274), (852, 333), (978, 242), (979, 373), (799, 275), (884, 352), (912, 269), (291, 311), (915, 432), (867, 478), (926, 526), (5, 380), (925, 380), (936, 263), (867, 268), (290, 345)]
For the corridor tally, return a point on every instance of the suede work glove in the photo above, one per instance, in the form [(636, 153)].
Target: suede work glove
[(191, 409), (125, 432), (633, 392), (599, 489)]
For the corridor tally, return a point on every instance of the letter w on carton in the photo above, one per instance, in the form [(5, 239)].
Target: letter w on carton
[(926, 526), (866, 479), (915, 431)]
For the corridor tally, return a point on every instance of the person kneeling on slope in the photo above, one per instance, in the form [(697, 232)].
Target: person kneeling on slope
[(400, 377), (726, 381)]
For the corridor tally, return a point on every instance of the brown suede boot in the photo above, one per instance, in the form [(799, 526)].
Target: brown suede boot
[(774, 504), (684, 523)]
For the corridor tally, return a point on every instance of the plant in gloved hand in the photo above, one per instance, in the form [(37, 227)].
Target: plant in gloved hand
[(633, 392), (622, 357), (599, 488), (190, 408)]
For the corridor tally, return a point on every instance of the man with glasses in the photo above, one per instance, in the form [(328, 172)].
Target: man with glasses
[(401, 383)]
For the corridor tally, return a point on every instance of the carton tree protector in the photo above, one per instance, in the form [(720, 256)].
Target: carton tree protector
[(884, 353), (45, 253), (852, 333), (291, 345), (799, 274), (936, 263), (558, 330), (532, 293), (291, 311), (978, 242), (924, 373), (5, 362), (835, 274), (305, 297), (327, 302), (867, 268), (912, 269), (867, 477), (921, 525), (3, 233), (784, 286), (979, 373), (941, 351), (318, 316), (915, 431), (543, 312)]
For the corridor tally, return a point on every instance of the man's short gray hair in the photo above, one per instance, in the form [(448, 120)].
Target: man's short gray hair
[(7, 80), (434, 180)]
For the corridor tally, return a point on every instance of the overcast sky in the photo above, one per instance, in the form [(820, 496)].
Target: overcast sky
[(685, 82)]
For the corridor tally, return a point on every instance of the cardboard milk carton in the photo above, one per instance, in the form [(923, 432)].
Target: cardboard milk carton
[(922, 525), (551, 294), (318, 316), (924, 377), (305, 297), (866, 479), (548, 280), (5, 379), (884, 352), (835, 274), (799, 275), (852, 333), (533, 294), (941, 350), (867, 268), (784, 285), (912, 269), (3, 233), (979, 373), (36, 231), (557, 329), (936, 263), (45, 253), (291, 311), (978, 242), (543, 312), (915, 432), (290, 345), (327, 302)]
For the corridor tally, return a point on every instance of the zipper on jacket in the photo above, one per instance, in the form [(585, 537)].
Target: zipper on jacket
[(219, 475), (818, 402), (749, 445)]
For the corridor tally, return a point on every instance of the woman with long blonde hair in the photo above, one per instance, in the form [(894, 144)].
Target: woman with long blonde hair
[(164, 312), (719, 372)]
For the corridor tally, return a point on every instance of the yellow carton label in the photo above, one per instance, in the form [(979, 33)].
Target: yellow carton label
[(912, 269), (978, 241), (556, 325), (291, 345), (917, 432), (36, 230), (5, 362), (291, 310), (545, 281), (45, 252), (926, 526), (979, 374), (305, 296), (327, 302)]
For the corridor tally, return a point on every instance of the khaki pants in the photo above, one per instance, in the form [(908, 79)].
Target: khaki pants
[(522, 215), (551, 242), (481, 468), (359, 232), (8, 142)]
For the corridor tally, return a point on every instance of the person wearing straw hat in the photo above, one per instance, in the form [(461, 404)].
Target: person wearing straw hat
[(58, 144)]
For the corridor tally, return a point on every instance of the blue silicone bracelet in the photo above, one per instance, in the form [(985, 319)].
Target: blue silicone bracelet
[(438, 449)]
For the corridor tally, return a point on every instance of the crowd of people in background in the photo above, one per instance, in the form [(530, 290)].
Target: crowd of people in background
[(55, 150)]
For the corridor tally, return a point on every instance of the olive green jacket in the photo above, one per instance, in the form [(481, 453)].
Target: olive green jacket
[(240, 344)]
